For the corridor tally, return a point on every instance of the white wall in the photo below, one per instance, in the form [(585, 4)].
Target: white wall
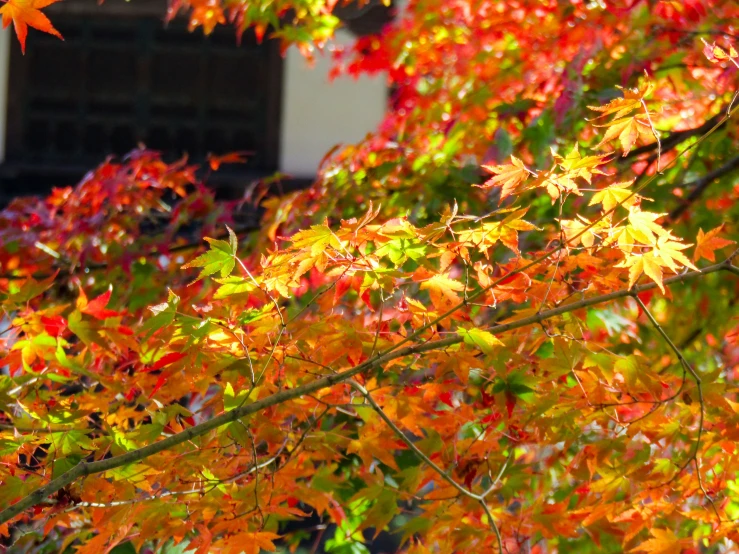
[(318, 114), (5, 36)]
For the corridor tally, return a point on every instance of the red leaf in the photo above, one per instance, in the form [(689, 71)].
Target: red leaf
[(645, 297), (96, 306), (469, 477), (510, 402), (165, 360), (230, 158), (446, 398), (54, 325), (162, 379)]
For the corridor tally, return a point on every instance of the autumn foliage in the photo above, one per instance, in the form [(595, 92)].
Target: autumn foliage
[(505, 321)]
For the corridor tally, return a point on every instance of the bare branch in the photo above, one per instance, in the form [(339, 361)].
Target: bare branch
[(699, 186)]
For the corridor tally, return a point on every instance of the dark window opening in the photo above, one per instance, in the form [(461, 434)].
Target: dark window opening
[(117, 82)]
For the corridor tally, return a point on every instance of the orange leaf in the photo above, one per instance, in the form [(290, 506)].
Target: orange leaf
[(708, 243), (24, 13), (664, 541), (230, 158), (510, 177)]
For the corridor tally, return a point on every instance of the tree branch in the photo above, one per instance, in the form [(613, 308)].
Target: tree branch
[(675, 138), (150, 254), (699, 186), (428, 461), (84, 469), (699, 386)]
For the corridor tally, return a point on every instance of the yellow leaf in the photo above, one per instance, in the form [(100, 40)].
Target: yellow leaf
[(668, 251), (643, 226), (613, 196), (443, 291), (643, 263), (631, 101), (627, 129), (653, 270), (580, 166), (483, 340), (318, 238)]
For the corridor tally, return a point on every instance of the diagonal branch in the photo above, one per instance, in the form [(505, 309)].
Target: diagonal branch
[(675, 138), (429, 462), (686, 367), (699, 186), (84, 469)]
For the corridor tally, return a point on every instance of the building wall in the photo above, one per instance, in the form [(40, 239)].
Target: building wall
[(5, 38), (318, 114)]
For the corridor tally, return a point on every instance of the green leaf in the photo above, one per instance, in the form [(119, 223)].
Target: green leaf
[(84, 330), (62, 465), (164, 314), (233, 285), (220, 258), (232, 400), (480, 339)]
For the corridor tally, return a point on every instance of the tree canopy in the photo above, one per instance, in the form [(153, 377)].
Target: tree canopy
[(506, 320)]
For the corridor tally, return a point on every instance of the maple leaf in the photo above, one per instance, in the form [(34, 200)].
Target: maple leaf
[(627, 129), (505, 231), (669, 251), (716, 54), (509, 177), (207, 13), (615, 195), (96, 306), (318, 238), (27, 12), (665, 253), (585, 231), (221, 257), (484, 340), (643, 263), (663, 541), (619, 107), (579, 166), (643, 227), (215, 162), (443, 291), (708, 243)]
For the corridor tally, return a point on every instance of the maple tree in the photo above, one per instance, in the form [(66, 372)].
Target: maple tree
[(507, 320)]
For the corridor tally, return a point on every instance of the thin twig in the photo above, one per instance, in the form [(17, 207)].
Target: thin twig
[(429, 462), (699, 186), (687, 367)]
